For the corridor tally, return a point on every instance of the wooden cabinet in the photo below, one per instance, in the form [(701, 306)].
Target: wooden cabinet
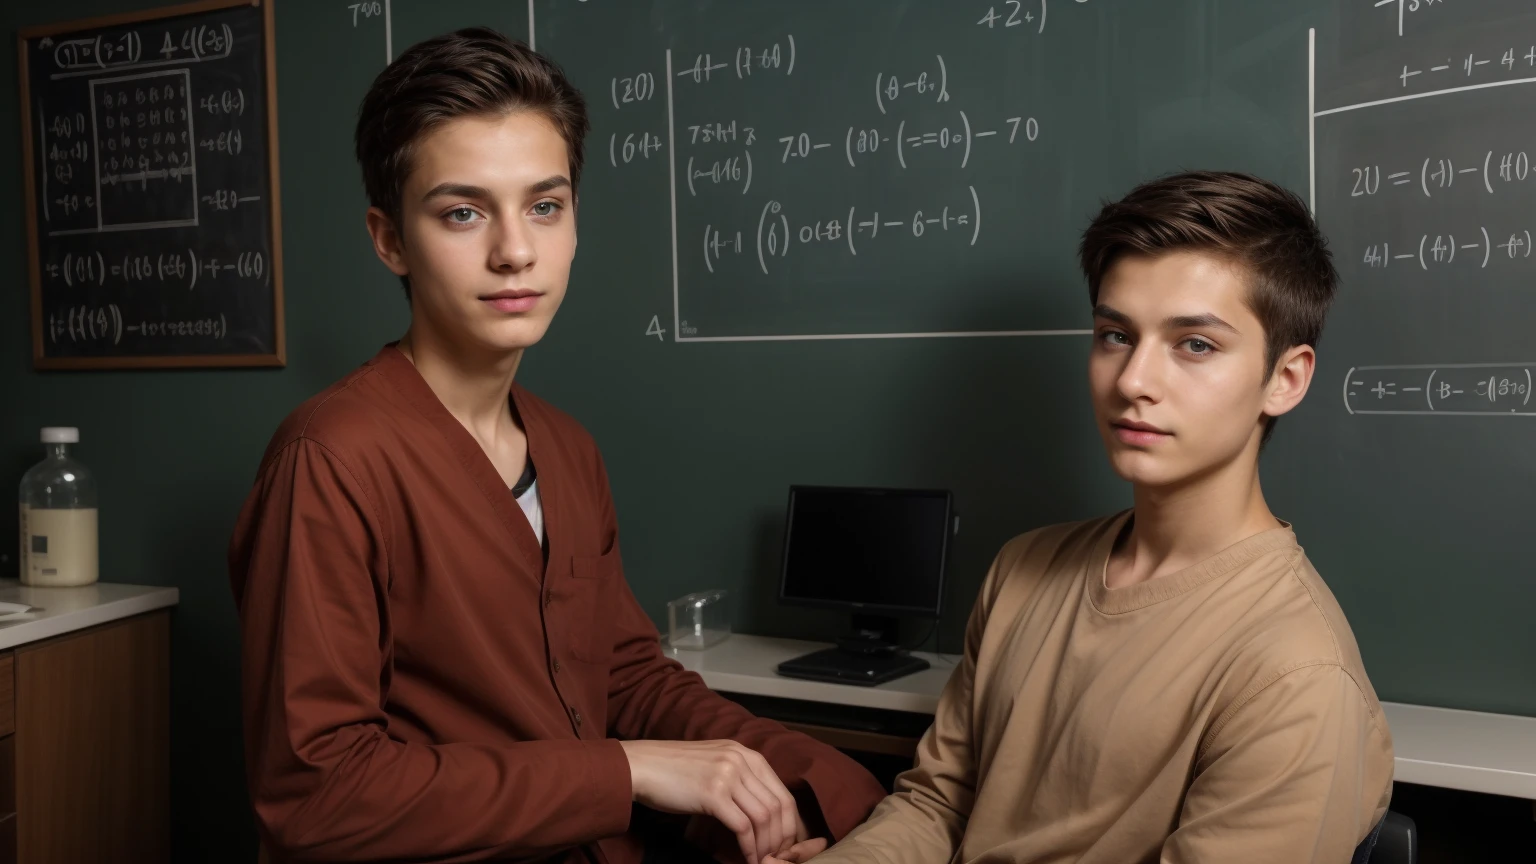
[(85, 752)]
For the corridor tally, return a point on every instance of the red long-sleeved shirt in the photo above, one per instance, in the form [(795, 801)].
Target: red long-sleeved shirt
[(419, 684)]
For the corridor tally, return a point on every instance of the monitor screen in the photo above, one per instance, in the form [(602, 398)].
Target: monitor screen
[(880, 549)]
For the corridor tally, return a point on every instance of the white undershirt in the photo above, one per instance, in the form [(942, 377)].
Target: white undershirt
[(533, 509)]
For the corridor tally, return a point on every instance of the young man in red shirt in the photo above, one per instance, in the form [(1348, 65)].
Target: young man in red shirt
[(442, 660)]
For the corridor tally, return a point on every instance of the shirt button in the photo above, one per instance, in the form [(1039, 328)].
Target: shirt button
[(576, 715), (549, 597), (557, 667)]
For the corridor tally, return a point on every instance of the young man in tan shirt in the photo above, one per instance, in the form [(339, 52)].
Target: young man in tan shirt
[(1173, 683)]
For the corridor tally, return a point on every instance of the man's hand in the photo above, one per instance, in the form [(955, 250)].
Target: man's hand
[(715, 840), (721, 779), (799, 853)]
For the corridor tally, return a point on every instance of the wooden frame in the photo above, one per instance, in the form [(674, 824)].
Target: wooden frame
[(279, 355)]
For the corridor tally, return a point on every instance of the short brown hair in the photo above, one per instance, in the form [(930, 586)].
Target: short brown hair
[(1257, 224), (475, 71)]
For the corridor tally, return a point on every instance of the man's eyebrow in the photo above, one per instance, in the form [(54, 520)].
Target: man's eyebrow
[(1196, 322), (456, 190), (1175, 322), (465, 190), (1112, 314), (549, 184)]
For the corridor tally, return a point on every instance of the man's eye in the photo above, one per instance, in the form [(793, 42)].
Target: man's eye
[(546, 208), (461, 215), (1115, 337), (1200, 346)]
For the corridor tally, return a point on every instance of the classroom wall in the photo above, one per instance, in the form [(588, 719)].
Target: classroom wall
[(175, 451)]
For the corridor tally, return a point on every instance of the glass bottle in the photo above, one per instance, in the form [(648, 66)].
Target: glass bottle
[(58, 516)]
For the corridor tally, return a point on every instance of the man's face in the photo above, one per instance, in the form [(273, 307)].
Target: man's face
[(487, 230), (1177, 369)]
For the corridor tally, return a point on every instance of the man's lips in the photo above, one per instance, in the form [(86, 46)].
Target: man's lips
[(1138, 433), (511, 301)]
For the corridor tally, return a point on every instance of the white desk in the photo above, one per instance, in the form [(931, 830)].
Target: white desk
[(1467, 750), (746, 664), (64, 610)]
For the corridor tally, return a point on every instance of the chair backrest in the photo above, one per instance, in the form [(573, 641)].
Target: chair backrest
[(1363, 851), (1399, 841), (1394, 840)]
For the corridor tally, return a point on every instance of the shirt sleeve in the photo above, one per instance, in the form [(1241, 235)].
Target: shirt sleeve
[(1300, 772), (924, 821), (651, 696), (309, 567)]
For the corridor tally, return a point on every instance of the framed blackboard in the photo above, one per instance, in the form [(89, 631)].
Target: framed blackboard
[(150, 151)]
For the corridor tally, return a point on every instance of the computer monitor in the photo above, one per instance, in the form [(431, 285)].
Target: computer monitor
[(866, 550), (876, 553)]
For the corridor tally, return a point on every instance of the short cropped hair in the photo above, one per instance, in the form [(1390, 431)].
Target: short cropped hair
[(1262, 227), (471, 72)]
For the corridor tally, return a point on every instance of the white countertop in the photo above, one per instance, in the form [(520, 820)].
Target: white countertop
[(1469, 750), (64, 610), (746, 664)]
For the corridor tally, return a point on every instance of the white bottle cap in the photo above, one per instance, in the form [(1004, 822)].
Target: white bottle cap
[(61, 435)]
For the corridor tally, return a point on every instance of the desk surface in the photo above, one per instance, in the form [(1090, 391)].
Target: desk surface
[(746, 664), (1469, 750), (64, 610)]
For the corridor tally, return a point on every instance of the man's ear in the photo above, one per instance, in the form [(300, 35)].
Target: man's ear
[(1289, 382), (387, 242)]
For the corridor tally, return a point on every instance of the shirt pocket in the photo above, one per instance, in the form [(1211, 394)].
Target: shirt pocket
[(592, 589)]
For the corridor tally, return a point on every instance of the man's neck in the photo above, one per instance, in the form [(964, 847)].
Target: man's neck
[(473, 386), (1177, 527)]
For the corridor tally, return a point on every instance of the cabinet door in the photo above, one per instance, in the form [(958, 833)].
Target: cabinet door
[(93, 744), (7, 695), (8, 799), (7, 760)]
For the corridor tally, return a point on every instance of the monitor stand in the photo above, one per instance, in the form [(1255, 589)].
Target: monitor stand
[(867, 657)]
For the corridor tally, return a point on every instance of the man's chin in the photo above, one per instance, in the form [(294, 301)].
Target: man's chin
[(514, 334), (1146, 470)]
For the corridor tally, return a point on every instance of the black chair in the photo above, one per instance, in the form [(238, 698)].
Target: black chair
[(1394, 840)]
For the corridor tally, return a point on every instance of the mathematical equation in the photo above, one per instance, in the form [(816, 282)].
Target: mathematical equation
[(172, 268), (779, 57), (777, 233), (890, 89), (126, 49), (105, 324), (1459, 71), (1436, 250), (907, 143), (744, 59), (1494, 169), (1014, 14), (131, 161), (1451, 389), (858, 145)]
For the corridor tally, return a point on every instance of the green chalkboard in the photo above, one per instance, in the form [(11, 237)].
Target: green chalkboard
[(1417, 522), (833, 243)]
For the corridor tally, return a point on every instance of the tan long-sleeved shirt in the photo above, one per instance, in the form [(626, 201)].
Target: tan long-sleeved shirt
[(422, 681), (1217, 714)]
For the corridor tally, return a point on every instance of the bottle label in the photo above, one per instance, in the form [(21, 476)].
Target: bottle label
[(58, 546)]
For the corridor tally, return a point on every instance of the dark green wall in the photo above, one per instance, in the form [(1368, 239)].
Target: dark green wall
[(175, 451), (1003, 422)]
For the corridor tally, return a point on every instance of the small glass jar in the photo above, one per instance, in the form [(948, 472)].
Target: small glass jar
[(697, 621), (58, 516)]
